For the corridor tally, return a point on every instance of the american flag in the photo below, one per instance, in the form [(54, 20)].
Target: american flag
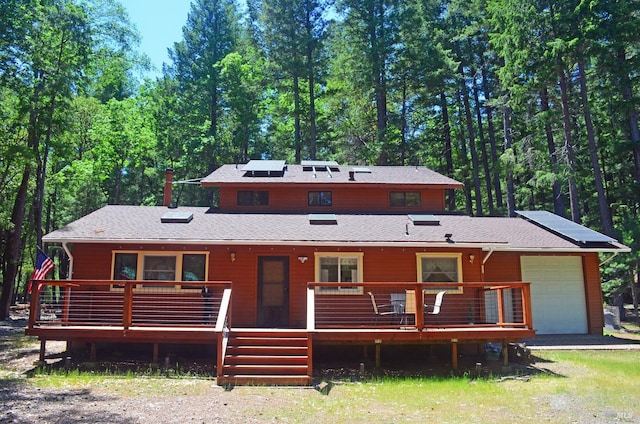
[(44, 265)]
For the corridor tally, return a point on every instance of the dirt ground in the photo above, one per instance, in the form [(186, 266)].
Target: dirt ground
[(21, 403)]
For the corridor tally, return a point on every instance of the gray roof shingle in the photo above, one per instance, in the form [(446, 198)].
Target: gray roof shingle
[(143, 224), (295, 174)]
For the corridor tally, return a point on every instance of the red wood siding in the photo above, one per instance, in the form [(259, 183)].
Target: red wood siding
[(502, 266), (380, 264), (295, 198), (593, 291)]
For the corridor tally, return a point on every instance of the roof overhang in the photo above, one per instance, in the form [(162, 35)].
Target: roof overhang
[(496, 247)]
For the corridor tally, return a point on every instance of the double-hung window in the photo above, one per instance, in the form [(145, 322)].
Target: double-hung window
[(181, 267), (344, 268), (440, 268)]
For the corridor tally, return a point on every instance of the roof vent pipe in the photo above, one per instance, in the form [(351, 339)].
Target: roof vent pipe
[(352, 175), (168, 186)]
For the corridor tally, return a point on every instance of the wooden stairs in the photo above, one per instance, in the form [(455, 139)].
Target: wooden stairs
[(266, 358)]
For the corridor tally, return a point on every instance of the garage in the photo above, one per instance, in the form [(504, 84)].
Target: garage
[(557, 293)]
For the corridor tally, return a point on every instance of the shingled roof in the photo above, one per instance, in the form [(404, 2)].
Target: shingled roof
[(144, 224), (299, 174)]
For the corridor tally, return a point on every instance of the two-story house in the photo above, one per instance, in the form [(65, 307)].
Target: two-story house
[(298, 256)]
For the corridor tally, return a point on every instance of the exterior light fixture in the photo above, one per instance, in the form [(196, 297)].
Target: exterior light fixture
[(302, 259), (232, 255)]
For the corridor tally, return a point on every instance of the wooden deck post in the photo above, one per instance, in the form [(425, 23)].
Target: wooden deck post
[(500, 307), (127, 314), (67, 304), (378, 349), (43, 348), (93, 354), (505, 352), (454, 353), (419, 307)]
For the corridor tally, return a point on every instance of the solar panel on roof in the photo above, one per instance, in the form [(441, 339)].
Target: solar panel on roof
[(565, 227), (264, 168), (361, 170), (424, 219), (323, 218), (176, 217)]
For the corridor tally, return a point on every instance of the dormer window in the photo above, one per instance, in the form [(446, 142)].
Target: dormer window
[(253, 198)]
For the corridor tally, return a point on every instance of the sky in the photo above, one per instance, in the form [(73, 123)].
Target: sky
[(159, 23)]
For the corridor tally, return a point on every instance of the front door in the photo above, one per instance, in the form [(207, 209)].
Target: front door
[(273, 291)]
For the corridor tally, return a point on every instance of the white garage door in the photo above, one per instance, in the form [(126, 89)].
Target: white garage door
[(557, 293)]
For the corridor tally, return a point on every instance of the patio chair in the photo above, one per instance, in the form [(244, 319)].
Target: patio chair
[(377, 312), (437, 304)]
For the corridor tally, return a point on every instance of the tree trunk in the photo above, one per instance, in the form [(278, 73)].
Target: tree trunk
[(296, 118), (470, 135), (378, 59), (311, 77), (492, 139), (12, 249), (483, 149), (508, 141), (568, 144), (448, 154), (603, 205), (464, 158), (558, 201), (632, 116)]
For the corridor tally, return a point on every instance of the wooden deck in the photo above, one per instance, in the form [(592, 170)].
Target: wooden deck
[(93, 312)]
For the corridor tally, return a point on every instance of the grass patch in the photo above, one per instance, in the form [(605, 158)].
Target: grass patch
[(132, 383), (563, 386)]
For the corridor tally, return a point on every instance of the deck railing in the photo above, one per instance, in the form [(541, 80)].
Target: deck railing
[(411, 305), (130, 304), (223, 324)]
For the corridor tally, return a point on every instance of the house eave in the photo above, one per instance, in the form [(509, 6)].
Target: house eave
[(309, 243)]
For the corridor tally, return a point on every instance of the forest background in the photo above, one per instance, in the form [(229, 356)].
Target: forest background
[(531, 104)]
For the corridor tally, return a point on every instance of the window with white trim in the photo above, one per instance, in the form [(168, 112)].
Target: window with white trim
[(160, 266), (440, 268), (332, 267)]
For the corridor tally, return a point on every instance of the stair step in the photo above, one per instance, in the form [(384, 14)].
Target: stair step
[(262, 357), (266, 360), (266, 350), (263, 380), (268, 333), (238, 370), (265, 341)]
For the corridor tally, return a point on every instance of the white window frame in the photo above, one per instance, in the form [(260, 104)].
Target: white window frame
[(456, 256), (351, 289), (147, 285)]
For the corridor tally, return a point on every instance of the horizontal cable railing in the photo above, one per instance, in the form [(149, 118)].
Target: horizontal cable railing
[(126, 303), (419, 305)]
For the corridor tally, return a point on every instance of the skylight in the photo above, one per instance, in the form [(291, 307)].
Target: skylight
[(322, 219), (424, 219), (176, 217), (320, 165)]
